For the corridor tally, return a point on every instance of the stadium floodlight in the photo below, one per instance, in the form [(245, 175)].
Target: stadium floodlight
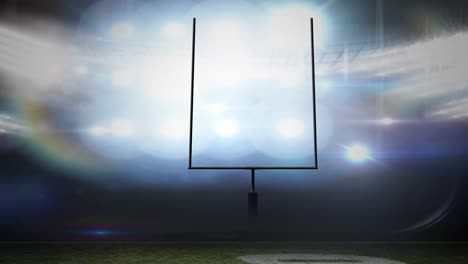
[(386, 121), (291, 128), (228, 128)]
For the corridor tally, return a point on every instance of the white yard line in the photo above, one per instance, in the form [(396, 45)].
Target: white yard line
[(313, 258)]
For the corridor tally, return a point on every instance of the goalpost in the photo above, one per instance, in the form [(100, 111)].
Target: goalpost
[(252, 197)]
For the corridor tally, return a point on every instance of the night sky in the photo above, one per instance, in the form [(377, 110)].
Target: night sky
[(87, 154)]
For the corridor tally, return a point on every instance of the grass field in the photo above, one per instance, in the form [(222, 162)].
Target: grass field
[(218, 253)]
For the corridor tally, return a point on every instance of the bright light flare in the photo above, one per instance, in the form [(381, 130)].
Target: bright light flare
[(98, 131), (357, 153), (291, 128), (9, 125), (226, 31), (161, 77), (119, 128), (216, 108), (121, 77), (174, 129), (165, 136), (291, 76), (421, 68), (227, 128), (34, 55), (386, 121), (290, 27), (122, 128)]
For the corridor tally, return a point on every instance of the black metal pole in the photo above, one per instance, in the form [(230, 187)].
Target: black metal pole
[(253, 199), (253, 180), (191, 92), (312, 48)]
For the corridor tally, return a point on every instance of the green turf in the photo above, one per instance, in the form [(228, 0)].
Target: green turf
[(219, 253)]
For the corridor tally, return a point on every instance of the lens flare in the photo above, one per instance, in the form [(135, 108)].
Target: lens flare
[(289, 27), (227, 128), (174, 129), (386, 121), (291, 128), (357, 153), (122, 128)]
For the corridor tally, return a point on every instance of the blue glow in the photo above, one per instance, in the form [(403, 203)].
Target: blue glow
[(101, 232)]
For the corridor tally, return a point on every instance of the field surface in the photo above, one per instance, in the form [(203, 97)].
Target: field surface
[(221, 253)]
